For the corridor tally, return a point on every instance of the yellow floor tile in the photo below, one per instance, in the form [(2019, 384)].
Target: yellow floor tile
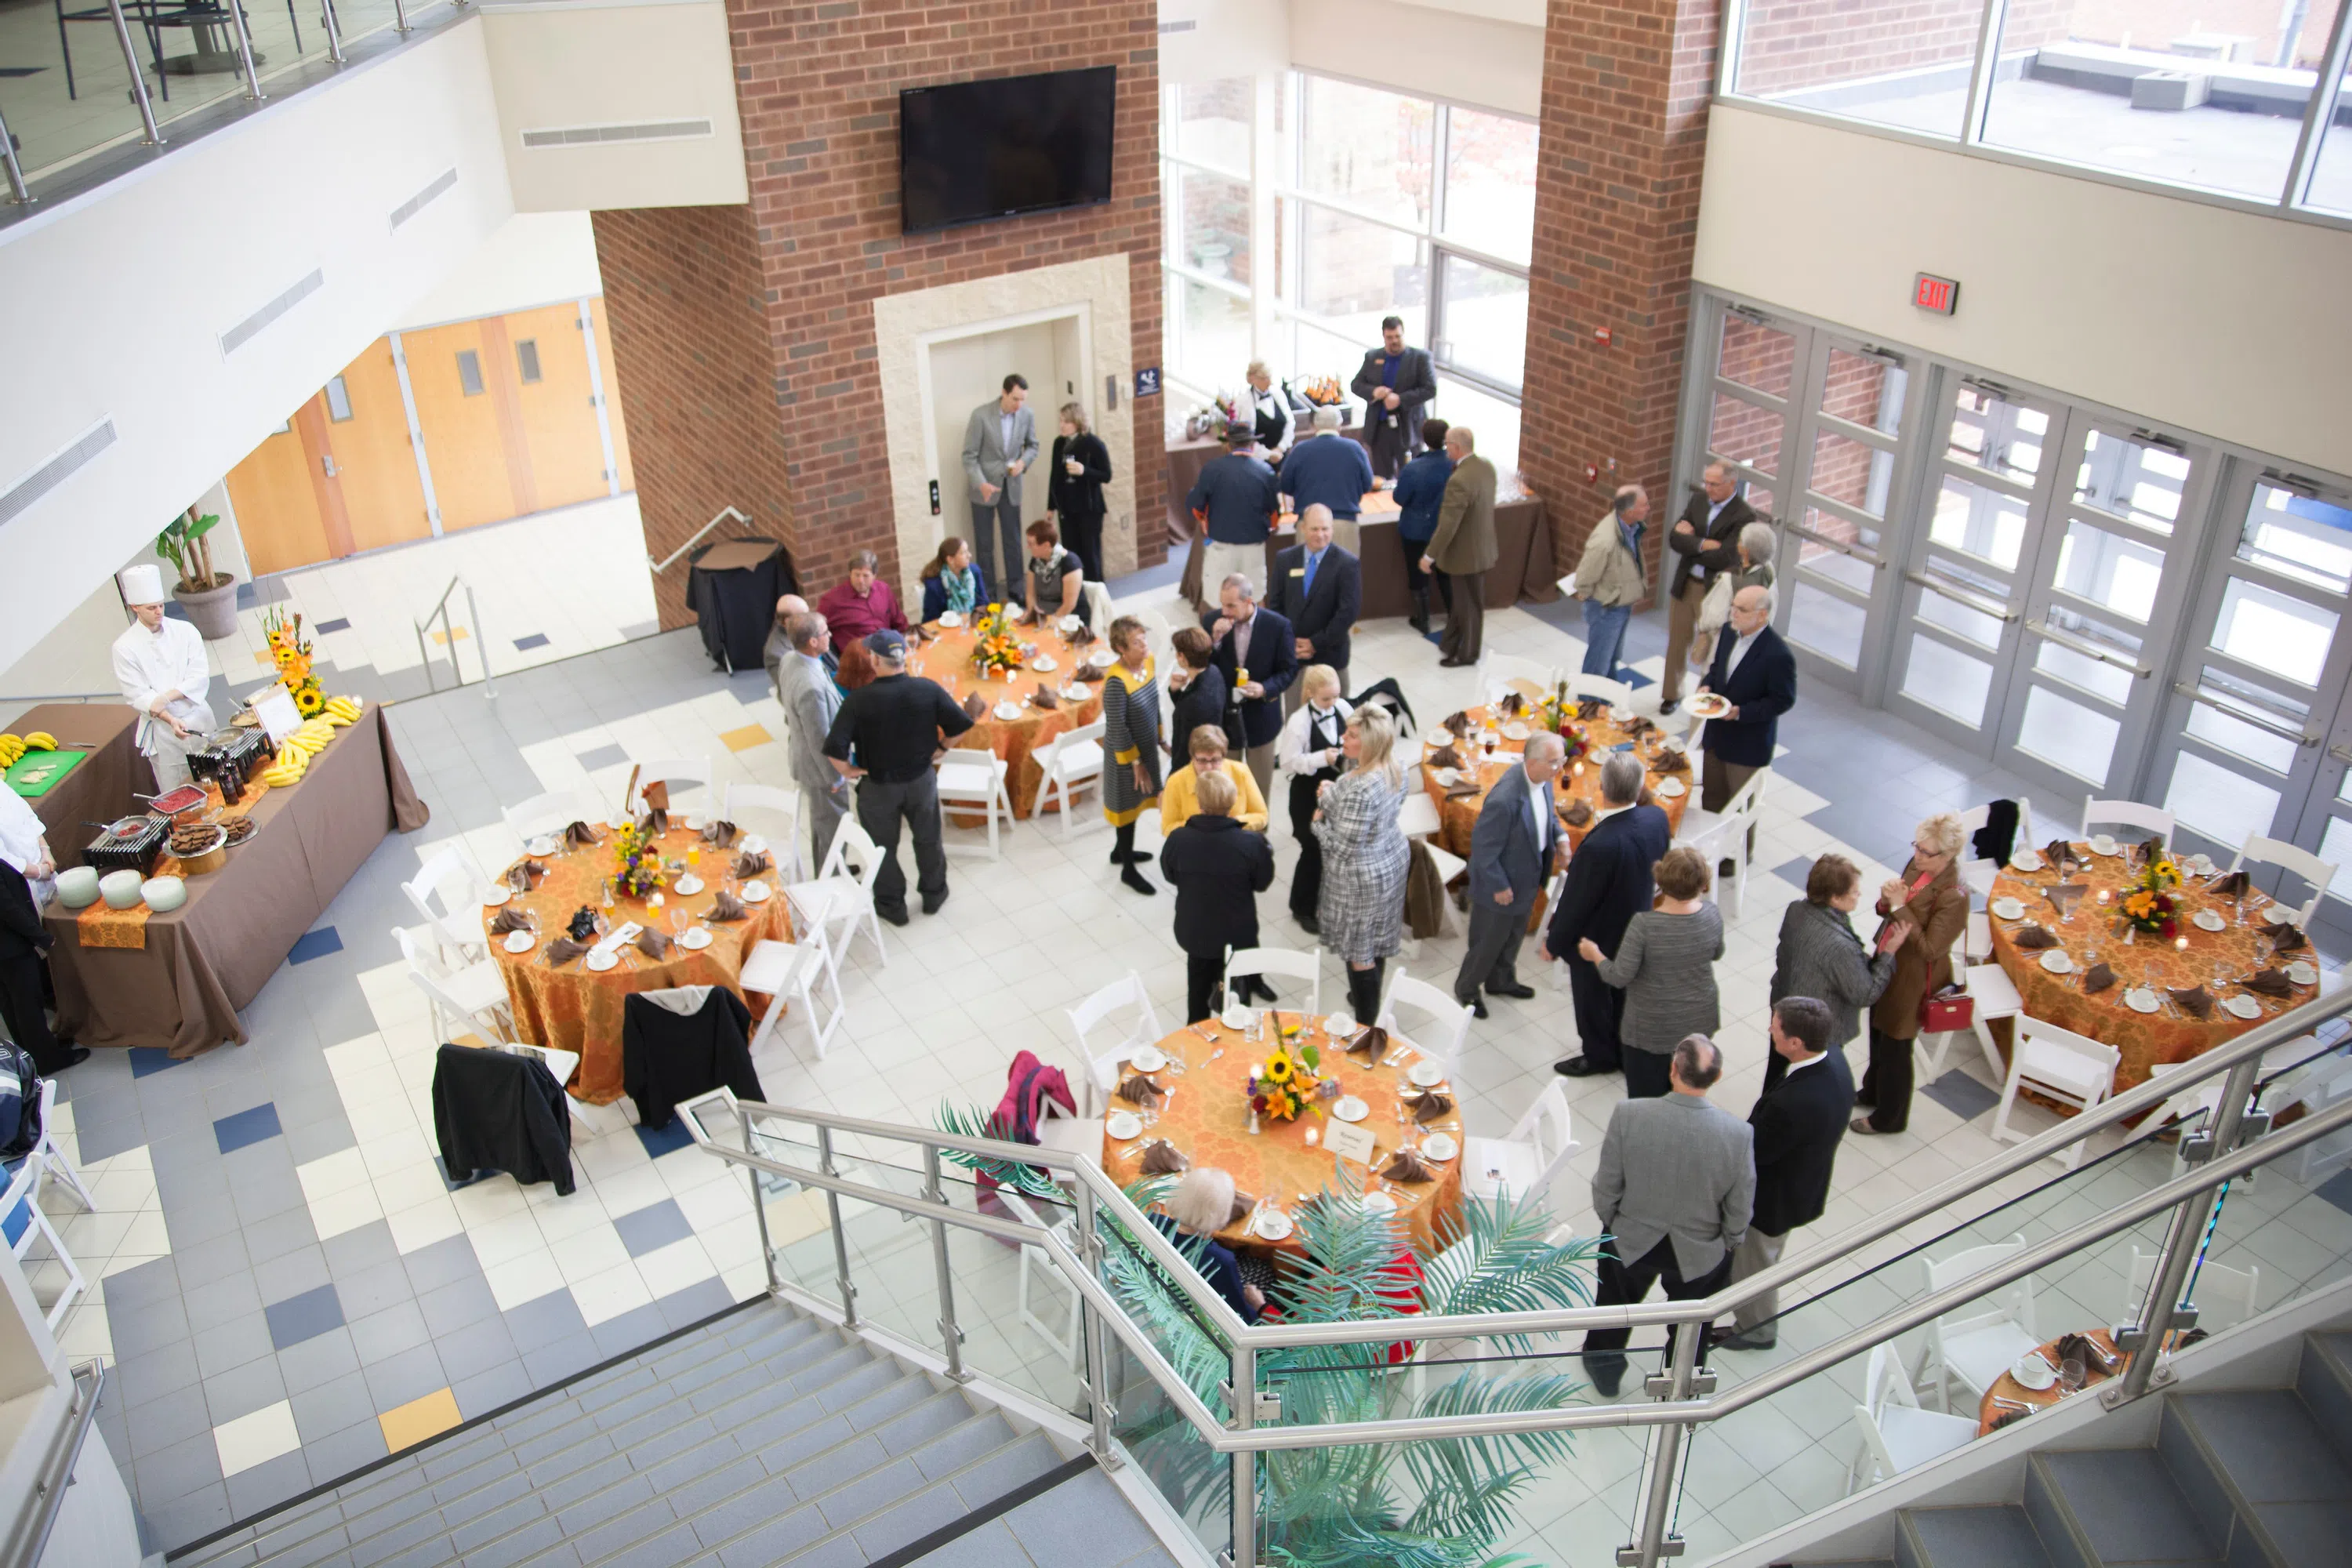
[(744, 739), (455, 634), (411, 1423)]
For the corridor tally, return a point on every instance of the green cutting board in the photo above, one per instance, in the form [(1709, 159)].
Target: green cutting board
[(60, 764)]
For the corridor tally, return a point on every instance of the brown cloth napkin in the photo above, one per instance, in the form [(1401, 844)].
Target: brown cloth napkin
[(1433, 1107), (1083, 635), (1577, 813), (2230, 885), (2288, 939), (2270, 983), (2033, 939), (1372, 1042), (579, 833), (2099, 978), (2194, 1002), (1243, 1202), (562, 951), (975, 706), (1591, 708), (748, 864), (1043, 698), (1161, 1158), (1445, 757), (721, 834), (656, 821), (1405, 1165), (1514, 704), (508, 920), (1637, 726), (1137, 1090), (1088, 673), (525, 875), (1457, 723), (727, 906), (653, 944), (2151, 849), (2059, 854), (1671, 761)]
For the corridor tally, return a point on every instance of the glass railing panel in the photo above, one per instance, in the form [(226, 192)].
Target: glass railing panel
[(66, 90)]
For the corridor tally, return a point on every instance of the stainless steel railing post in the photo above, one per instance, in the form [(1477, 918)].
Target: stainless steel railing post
[(334, 33), (949, 1334), (1665, 1456), (18, 192), (1245, 1416), (758, 1206), (840, 1241), (154, 136), (1099, 1401), (400, 17), (244, 52)]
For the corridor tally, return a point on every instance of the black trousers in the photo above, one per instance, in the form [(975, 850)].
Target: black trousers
[(20, 1008), (1623, 1284), (1599, 1006), (1415, 579), (881, 808), (1492, 957), (1465, 620), (1083, 537), (1647, 1074), (1203, 972), (1886, 1086), (1306, 882)]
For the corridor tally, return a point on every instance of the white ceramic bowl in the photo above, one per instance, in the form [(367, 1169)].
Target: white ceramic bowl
[(120, 890), (1439, 1146), (1235, 1017), (2032, 1371), (1146, 1058), (1426, 1073), (163, 894), (519, 942), (1123, 1124)]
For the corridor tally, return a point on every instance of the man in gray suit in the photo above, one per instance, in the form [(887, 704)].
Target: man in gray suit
[(811, 699), (1674, 1191), (1512, 849), (1000, 442)]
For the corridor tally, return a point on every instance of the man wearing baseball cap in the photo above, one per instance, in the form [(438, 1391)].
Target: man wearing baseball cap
[(159, 663), (888, 735)]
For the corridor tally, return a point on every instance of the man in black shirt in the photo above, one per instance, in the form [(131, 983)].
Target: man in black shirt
[(887, 736)]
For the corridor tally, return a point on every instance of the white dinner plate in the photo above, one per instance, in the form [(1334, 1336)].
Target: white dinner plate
[(689, 884), (694, 940), (753, 844), (2057, 962), (2301, 973), (520, 940), (496, 896), (1069, 624), (2207, 921), (2140, 999), (1514, 731), (2105, 844), (601, 960), (1123, 1124), (1425, 1073), (542, 844), (1102, 659), (1008, 710), (2008, 909), (1673, 788), (1043, 664), (1075, 693), (1146, 1058), (755, 892), (1439, 1146), (1446, 776), (1338, 1024), (1347, 1108), (1271, 1225), (2025, 860), (2242, 1006), (1379, 1203), (1706, 705), (1235, 1017), (2032, 1371)]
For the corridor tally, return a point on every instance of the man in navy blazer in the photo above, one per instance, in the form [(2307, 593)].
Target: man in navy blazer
[(1318, 588), (1609, 882), (1256, 651), (1798, 1120), (1512, 849), (1756, 673)]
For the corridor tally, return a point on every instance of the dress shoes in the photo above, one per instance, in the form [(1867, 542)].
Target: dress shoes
[(75, 1056), (1516, 992), (896, 917), (1756, 1339), (1607, 1371), (1478, 1005), (1308, 924), (931, 902), (1580, 1067), (1454, 663), (1665, 708), (1135, 881), (1862, 1124)]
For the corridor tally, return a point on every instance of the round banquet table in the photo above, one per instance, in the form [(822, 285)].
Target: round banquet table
[(1206, 1119), (2142, 1039), (1458, 807), (947, 659), (575, 1008), (2006, 1392)]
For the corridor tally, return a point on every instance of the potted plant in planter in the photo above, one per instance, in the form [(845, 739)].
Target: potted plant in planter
[(209, 597)]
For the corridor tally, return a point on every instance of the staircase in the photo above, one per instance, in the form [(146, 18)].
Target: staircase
[(762, 1437), (2256, 1479)]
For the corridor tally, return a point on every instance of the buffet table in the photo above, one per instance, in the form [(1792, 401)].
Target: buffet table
[(98, 788), (947, 659), (180, 987)]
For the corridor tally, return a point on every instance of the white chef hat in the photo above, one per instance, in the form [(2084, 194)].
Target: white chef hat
[(141, 584)]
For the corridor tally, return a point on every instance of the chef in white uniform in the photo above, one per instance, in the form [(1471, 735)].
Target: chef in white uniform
[(159, 663), (23, 845)]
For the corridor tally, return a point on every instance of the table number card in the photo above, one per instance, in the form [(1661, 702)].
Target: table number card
[(1350, 1144)]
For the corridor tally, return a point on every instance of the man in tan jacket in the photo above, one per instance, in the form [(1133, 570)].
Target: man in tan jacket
[(1464, 546), (1608, 579)]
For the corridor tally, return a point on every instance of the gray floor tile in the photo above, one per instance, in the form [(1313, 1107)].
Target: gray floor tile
[(140, 1379), (369, 1246), (174, 1418), (551, 1319), (318, 1361), (410, 1374), (280, 1233), (139, 1327), (156, 1279), (652, 1227), (289, 1274), (304, 1317), (233, 1297), (491, 1389), (1084, 1520), (389, 1333), (475, 1348), (334, 1405), (177, 1470), (242, 1390), (217, 1257), (993, 1545), (185, 1518), (454, 1306), (337, 1454), (231, 1344), (442, 1263), (369, 1291), (269, 1482)]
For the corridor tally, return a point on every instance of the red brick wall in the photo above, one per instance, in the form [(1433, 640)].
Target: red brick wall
[(787, 341), (1625, 91)]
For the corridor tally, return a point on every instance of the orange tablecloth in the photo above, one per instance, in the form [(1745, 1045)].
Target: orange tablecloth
[(947, 661), (2144, 1039), (1207, 1120), (2008, 1388), (574, 1009), (1459, 816)]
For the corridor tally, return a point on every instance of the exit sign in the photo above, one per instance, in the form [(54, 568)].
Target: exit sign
[(1941, 295)]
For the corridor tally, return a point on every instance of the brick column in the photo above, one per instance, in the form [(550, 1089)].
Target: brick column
[(745, 335), (1626, 84)]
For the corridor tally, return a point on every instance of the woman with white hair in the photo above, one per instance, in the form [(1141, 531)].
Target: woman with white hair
[(1754, 543), (1360, 913), (1191, 1216), (1924, 910)]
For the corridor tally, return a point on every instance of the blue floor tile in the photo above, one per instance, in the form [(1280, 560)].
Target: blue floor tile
[(337, 625), (2337, 1190), (233, 1132), (145, 1060), (1794, 872), (315, 944), (652, 1227), (536, 639), (304, 1317), (672, 1137)]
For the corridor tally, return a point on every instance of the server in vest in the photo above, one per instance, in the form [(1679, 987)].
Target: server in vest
[(888, 735), (1308, 753), (1274, 411)]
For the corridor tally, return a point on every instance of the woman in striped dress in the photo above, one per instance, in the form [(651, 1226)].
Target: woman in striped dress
[(1130, 741), (1360, 911)]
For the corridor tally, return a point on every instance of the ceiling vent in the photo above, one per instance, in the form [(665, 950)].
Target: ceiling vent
[(417, 202), (600, 135), (237, 337), (19, 498)]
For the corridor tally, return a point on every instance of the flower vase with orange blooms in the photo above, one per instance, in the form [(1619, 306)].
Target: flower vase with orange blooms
[(1284, 1086), (637, 868), (290, 651), (2149, 902), (1557, 714), (995, 650)]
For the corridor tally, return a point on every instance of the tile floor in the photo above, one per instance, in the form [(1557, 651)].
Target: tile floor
[(290, 1286)]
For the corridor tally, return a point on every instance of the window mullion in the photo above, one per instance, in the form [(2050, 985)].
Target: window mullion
[(2320, 115), (1981, 75)]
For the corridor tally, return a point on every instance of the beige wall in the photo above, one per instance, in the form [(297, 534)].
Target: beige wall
[(532, 258), (2221, 323), (1463, 58), (1227, 38), (556, 66)]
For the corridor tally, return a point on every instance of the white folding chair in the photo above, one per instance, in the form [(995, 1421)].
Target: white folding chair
[(1068, 1338), (1497, 670), (447, 891), (2316, 873), (2061, 1065), (680, 775), (826, 912), (775, 815), (1448, 1020), (2315, 1087), (1726, 836), (2225, 1296), (1071, 761), (47, 1157), (548, 813), (1419, 819), (1973, 1351), (560, 1064), (788, 971), (972, 779), (1141, 1023), (1615, 692), (1284, 961), (2126, 813), (1896, 1434), (1993, 996), (1527, 1161), (474, 995), (23, 1222)]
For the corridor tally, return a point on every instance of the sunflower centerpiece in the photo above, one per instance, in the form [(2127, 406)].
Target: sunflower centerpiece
[(290, 651), (2149, 902), (1557, 714), (995, 650), (1284, 1086), (637, 868)]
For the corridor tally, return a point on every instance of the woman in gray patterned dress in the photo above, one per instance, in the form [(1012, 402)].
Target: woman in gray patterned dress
[(1361, 909), (1130, 743)]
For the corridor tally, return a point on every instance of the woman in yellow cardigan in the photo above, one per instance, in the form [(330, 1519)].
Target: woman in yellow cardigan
[(1181, 799)]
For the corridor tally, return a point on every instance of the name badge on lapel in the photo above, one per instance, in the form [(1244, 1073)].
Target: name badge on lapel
[(1298, 571)]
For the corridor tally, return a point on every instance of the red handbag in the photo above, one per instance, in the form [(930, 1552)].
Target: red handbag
[(1947, 1011)]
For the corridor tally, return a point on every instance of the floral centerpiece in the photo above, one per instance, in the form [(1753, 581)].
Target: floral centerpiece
[(995, 651), (290, 650), (1285, 1085), (2149, 902), (1557, 714), (637, 868)]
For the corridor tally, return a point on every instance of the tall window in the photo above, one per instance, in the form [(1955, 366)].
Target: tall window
[(1205, 195)]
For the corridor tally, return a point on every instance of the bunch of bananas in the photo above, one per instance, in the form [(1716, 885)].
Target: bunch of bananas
[(342, 711), (13, 747), (295, 751)]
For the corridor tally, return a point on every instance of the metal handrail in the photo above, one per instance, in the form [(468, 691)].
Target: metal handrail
[(448, 638), (65, 696), (700, 534), (29, 1536)]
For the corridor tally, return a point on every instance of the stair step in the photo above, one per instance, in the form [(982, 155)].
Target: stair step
[(2323, 1382), (1995, 1537), (2109, 1506), (2261, 1461)]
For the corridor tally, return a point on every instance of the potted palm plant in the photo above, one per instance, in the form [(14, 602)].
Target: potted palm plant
[(209, 597)]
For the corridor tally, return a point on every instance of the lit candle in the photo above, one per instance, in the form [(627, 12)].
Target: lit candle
[(1314, 1136), (2180, 944), (2104, 895), (655, 901)]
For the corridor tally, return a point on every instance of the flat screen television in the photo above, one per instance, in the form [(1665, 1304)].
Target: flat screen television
[(973, 151)]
